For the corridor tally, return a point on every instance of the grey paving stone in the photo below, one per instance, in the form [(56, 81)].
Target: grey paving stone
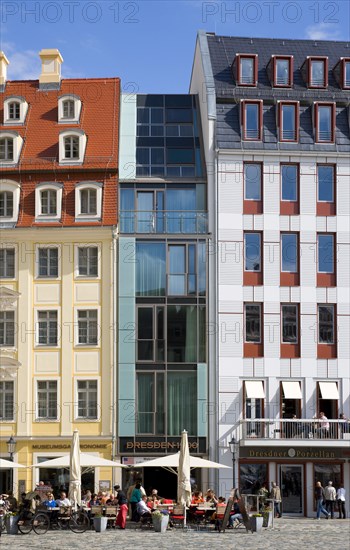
[(288, 534)]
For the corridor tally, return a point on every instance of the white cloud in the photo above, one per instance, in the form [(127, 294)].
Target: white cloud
[(323, 31), (26, 65)]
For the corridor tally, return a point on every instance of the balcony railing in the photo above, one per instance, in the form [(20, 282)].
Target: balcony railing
[(313, 429), (161, 221)]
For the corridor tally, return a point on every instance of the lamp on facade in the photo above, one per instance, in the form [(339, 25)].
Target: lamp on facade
[(11, 447), (233, 448)]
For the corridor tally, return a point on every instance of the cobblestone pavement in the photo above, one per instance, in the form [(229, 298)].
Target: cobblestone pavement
[(288, 534)]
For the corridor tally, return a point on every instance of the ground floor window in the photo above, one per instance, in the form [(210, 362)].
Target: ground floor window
[(252, 477), (328, 472), (58, 478)]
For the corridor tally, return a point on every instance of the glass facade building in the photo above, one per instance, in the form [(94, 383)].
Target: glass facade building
[(162, 277)]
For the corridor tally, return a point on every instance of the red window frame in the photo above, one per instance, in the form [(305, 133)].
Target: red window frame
[(287, 350), (253, 349), (289, 58), (318, 104), (258, 102), (296, 120), (290, 208), (251, 206), (240, 56), (327, 351), (344, 60), (325, 79), (327, 279), (324, 208), (253, 278)]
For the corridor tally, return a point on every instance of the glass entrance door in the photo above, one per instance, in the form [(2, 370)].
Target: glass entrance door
[(291, 484)]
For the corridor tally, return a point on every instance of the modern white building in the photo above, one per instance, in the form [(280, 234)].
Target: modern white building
[(275, 119)]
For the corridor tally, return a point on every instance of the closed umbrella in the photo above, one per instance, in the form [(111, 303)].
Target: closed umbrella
[(75, 471), (183, 478)]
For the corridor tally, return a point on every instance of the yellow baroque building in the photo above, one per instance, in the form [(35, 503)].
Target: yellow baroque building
[(60, 372)]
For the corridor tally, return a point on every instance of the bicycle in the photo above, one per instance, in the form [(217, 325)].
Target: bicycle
[(77, 521)]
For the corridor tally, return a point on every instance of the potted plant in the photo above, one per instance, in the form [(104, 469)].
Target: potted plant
[(100, 522), (11, 520), (160, 520), (267, 515), (256, 521)]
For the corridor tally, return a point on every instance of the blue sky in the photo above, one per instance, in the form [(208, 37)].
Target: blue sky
[(150, 44)]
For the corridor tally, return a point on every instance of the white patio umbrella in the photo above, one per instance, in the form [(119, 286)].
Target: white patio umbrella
[(170, 462), (183, 476), (86, 461), (75, 471), (5, 464)]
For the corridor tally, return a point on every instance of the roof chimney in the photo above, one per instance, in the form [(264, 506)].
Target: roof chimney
[(3, 69), (51, 61)]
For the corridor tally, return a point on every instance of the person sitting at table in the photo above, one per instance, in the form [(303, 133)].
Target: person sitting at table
[(142, 509), (63, 500), (197, 497), (235, 516), (210, 497), (94, 501), (153, 501), (50, 501)]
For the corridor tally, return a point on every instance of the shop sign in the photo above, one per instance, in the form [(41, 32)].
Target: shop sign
[(160, 445), (63, 446), (301, 453)]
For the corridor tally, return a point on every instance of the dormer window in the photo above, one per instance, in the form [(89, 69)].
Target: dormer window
[(318, 72), (324, 122), (48, 199), (88, 201), (6, 149), (71, 147), (6, 204), (69, 108), (252, 120), (346, 73), (9, 202), (15, 110), (288, 121), (282, 72), (10, 147), (246, 69), (72, 144)]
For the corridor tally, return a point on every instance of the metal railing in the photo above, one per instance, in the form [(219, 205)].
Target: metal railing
[(164, 221), (269, 428)]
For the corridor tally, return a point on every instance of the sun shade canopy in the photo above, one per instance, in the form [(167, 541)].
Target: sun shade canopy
[(254, 389), (9, 464), (86, 460), (291, 390), (329, 390), (172, 461)]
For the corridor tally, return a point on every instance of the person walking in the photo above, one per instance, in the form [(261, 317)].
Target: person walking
[(330, 496), (123, 507), (275, 493), (136, 497), (341, 501), (319, 496)]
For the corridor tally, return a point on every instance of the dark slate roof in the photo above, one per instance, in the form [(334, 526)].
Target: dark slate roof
[(223, 50)]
